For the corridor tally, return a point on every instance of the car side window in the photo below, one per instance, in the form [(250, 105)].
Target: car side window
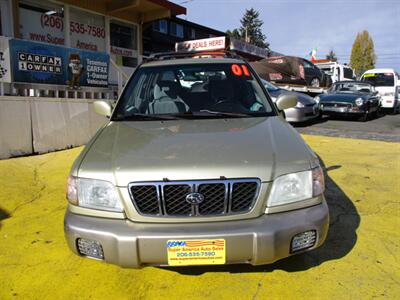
[(307, 65)]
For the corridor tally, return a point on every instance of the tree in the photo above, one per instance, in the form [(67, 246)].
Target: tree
[(250, 30), (331, 56), (234, 34), (363, 53)]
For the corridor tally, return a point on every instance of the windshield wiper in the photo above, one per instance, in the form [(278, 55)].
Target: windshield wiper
[(225, 114), (146, 117)]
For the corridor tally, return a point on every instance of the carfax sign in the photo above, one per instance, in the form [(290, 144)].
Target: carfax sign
[(42, 63)]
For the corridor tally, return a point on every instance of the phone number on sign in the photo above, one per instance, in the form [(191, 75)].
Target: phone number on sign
[(76, 27), (191, 254), (89, 29)]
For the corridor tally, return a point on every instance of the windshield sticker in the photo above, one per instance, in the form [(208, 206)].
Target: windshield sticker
[(236, 70), (240, 70), (245, 70), (369, 75)]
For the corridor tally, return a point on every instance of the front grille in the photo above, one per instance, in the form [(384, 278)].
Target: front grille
[(337, 104), (219, 197)]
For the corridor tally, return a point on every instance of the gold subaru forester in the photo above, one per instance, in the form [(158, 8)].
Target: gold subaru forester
[(195, 167)]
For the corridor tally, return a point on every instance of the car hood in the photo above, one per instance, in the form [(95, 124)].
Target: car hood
[(303, 98), (261, 148), (341, 97)]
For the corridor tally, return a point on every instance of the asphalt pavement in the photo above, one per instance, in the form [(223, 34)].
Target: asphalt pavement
[(383, 128)]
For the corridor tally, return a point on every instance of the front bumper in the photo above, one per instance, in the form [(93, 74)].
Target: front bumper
[(256, 241), (342, 110), (302, 114)]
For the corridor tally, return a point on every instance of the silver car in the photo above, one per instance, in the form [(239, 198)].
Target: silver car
[(195, 167), (306, 109)]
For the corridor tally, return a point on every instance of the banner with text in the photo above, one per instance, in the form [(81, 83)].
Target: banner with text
[(40, 63), (5, 69)]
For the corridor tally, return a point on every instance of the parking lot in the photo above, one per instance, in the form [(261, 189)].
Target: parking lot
[(360, 258), (386, 127)]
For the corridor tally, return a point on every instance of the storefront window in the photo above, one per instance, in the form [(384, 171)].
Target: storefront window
[(42, 21), (87, 30), (123, 43)]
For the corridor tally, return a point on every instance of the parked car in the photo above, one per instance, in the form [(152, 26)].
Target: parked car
[(306, 109), (355, 98), (291, 70), (386, 82), (194, 174)]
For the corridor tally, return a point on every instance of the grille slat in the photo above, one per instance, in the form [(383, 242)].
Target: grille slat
[(175, 199), (243, 195), (214, 199), (146, 199), (221, 197)]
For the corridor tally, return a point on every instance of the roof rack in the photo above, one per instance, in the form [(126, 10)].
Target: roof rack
[(202, 54)]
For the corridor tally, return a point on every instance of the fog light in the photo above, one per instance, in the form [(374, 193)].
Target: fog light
[(90, 248), (303, 241)]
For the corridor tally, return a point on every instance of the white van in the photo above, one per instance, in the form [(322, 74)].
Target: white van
[(338, 72), (387, 83)]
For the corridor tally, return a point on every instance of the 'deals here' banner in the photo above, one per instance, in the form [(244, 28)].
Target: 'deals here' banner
[(34, 62)]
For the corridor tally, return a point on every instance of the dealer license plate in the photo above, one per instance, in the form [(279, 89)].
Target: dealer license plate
[(196, 252)]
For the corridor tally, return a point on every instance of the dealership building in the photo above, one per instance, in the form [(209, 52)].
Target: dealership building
[(43, 36)]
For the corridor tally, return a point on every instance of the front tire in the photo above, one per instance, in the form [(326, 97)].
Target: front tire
[(364, 117)]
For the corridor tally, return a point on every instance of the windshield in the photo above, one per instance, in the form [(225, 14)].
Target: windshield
[(379, 79), (352, 87), (269, 86), (192, 91)]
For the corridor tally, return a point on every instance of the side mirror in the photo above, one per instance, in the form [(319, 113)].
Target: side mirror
[(102, 108), (286, 101)]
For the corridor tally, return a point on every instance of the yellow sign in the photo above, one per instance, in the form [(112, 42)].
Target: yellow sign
[(369, 75), (196, 252)]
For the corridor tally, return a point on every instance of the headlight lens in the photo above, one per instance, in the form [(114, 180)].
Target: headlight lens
[(297, 187), (91, 193), (317, 99), (299, 105), (359, 101)]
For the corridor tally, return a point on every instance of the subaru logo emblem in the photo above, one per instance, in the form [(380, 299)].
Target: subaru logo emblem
[(194, 198)]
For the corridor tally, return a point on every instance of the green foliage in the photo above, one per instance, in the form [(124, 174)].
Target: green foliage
[(234, 34), (363, 55), (331, 56), (250, 30)]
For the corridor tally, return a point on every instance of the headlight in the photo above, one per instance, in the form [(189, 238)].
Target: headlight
[(299, 104), (388, 94), (317, 99), (297, 187), (91, 193), (359, 101)]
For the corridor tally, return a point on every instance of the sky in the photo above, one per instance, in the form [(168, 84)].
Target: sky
[(295, 27)]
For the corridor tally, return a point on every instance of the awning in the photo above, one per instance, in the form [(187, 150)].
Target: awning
[(138, 11)]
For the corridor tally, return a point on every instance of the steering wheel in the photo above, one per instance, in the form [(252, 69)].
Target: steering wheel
[(223, 102)]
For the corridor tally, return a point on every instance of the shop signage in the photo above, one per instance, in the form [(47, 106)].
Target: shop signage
[(87, 30), (211, 44), (123, 51), (40, 27), (5, 69), (41, 63)]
